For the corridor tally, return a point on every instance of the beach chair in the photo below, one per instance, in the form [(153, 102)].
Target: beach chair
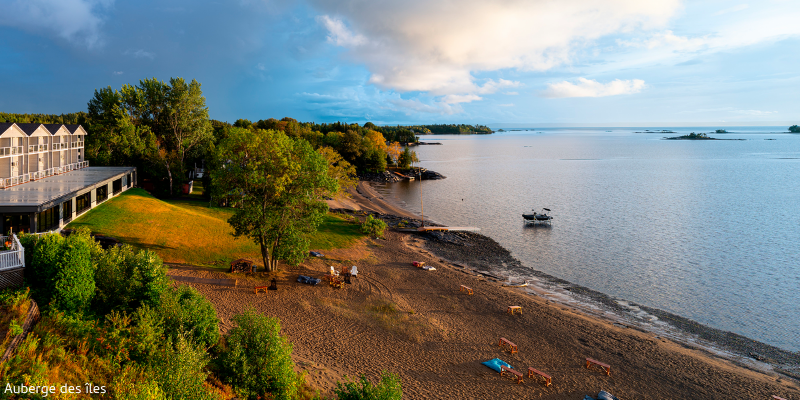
[(353, 271)]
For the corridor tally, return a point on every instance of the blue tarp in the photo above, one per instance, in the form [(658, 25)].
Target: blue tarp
[(308, 280), (603, 395), (495, 364)]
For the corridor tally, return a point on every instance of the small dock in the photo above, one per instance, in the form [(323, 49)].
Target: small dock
[(404, 177)]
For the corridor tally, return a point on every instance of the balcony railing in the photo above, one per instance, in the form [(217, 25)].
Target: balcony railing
[(10, 151), (17, 180), (37, 148), (12, 254), (60, 146)]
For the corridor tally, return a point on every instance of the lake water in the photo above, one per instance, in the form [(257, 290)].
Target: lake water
[(709, 230)]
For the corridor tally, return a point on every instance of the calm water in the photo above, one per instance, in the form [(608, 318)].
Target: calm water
[(709, 230)]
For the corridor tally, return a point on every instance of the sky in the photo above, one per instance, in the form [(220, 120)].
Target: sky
[(492, 62)]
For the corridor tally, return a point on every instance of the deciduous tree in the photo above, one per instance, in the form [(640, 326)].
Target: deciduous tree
[(278, 183)]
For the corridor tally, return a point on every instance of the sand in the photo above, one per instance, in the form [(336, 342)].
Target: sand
[(415, 323)]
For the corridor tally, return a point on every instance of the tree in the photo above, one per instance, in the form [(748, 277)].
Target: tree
[(794, 129), (154, 121), (258, 360), (278, 182), (339, 169), (394, 150), (406, 158)]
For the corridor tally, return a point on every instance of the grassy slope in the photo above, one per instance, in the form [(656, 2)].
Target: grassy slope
[(190, 232)]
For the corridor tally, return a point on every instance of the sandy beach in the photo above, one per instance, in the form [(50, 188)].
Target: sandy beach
[(415, 323)]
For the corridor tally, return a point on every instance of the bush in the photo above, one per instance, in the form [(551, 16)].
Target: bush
[(258, 359), (74, 286), (61, 271), (389, 388), (184, 309), (373, 227), (180, 372), (127, 279)]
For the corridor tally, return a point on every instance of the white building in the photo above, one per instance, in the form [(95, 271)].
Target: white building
[(45, 180)]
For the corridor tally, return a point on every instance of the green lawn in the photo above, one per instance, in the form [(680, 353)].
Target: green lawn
[(185, 231)]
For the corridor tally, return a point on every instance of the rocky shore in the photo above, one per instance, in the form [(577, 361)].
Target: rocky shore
[(392, 177)]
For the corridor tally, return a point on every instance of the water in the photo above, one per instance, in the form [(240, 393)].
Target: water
[(708, 230)]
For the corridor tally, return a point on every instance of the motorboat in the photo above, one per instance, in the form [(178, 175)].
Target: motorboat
[(535, 217)]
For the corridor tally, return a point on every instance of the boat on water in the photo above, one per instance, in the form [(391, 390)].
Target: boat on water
[(538, 218)]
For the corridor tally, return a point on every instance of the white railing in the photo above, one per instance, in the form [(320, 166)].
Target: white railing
[(10, 151), (17, 180), (14, 254)]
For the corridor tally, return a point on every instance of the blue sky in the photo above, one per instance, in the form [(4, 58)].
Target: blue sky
[(526, 62)]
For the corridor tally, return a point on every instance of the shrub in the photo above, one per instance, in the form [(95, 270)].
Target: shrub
[(74, 286), (127, 279), (184, 309), (180, 371), (61, 271), (389, 388), (373, 227), (258, 359)]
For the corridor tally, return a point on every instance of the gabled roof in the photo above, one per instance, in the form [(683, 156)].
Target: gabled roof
[(53, 128), (4, 126), (75, 129), (30, 129), (10, 129)]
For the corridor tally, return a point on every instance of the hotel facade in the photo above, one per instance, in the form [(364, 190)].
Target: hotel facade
[(45, 180)]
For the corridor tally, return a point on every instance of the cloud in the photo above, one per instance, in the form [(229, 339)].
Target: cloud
[(460, 98), (139, 54), (754, 112), (76, 21), (511, 93), (339, 34), (740, 7), (506, 105), (118, 72), (589, 88), (667, 39), (436, 46), (434, 108)]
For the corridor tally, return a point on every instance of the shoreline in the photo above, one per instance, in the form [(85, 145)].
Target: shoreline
[(733, 347)]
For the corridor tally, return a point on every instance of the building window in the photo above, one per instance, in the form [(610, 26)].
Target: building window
[(117, 186), (17, 223), (67, 208), (83, 202), (102, 193), (47, 220)]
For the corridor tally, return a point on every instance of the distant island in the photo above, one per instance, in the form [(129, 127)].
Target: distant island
[(794, 129), (721, 131), (697, 136), (449, 129)]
